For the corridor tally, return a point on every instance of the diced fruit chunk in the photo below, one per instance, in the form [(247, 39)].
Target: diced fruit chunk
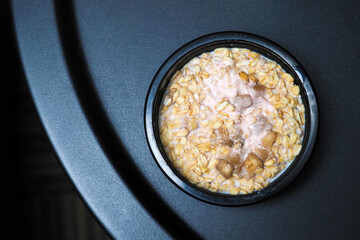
[(252, 162), (269, 139), (225, 168), (242, 101), (259, 90), (234, 159), (262, 153), (229, 143)]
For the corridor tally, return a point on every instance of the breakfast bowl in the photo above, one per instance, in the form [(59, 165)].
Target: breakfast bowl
[(231, 118)]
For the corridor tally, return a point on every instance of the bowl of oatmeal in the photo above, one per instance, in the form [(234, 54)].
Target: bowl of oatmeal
[(231, 118)]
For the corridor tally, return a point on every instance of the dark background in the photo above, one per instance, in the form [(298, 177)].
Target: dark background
[(321, 203), (37, 200)]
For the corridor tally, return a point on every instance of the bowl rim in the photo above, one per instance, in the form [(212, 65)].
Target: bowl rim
[(230, 39)]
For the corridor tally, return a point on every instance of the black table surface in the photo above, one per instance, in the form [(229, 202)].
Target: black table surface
[(89, 65)]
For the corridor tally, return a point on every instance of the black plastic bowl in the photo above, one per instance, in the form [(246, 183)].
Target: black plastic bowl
[(208, 43)]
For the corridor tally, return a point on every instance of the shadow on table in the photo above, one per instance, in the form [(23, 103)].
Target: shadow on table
[(37, 199)]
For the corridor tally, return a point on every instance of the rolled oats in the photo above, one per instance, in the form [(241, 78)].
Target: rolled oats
[(231, 120)]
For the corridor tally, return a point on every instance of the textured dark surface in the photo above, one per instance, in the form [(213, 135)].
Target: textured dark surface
[(39, 196), (37, 200), (124, 44)]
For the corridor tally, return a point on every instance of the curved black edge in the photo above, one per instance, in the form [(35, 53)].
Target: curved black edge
[(104, 131), (223, 39)]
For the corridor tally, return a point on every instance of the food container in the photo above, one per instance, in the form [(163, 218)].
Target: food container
[(208, 43)]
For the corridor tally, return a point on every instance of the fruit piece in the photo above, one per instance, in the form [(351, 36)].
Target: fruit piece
[(252, 162), (269, 139), (234, 159), (259, 90), (229, 143), (242, 101), (262, 153), (225, 168)]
